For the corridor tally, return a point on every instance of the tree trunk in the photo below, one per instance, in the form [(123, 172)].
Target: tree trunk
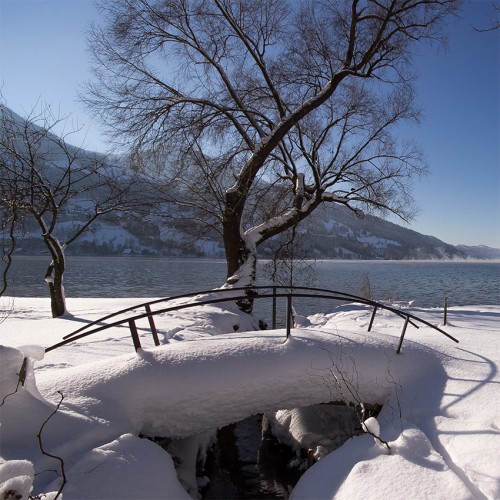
[(54, 277), (241, 260), (241, 248), (57, 298)]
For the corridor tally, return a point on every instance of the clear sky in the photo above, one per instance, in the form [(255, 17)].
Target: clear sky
[(43, 57)]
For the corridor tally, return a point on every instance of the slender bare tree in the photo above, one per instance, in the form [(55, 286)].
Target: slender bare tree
[(9, 229), (51, 184), (265, 109)]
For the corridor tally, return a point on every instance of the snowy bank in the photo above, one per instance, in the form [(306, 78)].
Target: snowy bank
[(439, 416)]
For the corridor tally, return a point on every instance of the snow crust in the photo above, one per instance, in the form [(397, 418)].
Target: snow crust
[(440, 414)]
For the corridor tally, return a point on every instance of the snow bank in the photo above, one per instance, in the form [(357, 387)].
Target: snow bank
[(128, 467), (440, 412), (361, 469), (16, 479)]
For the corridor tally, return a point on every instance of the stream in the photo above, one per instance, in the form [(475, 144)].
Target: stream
[(247, 462)]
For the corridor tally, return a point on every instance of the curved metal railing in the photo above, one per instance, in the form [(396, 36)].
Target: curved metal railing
[(276, 291)]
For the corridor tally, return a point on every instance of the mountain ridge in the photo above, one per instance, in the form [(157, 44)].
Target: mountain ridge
[(330, 232)]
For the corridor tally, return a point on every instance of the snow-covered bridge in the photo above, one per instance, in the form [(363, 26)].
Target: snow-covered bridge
[(189, 387)]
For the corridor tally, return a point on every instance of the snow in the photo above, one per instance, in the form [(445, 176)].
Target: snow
[(128, 456), (378, 242), (209, 248), (318, 428), (439, 418), (329, 225)]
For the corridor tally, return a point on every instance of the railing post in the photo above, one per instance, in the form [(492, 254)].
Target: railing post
[(274, 308), (310, 458), (372, 318), (135, 336), (288, 314), (445, 321), (402, 335), (152, 325)]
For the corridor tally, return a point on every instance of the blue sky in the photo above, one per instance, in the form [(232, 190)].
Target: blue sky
[(43, 57)]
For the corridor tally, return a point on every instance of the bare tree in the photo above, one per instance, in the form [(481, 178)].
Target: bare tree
[(265, 109), (9, 224), (51, 184)]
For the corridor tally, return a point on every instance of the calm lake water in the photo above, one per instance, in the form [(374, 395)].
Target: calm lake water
[(424, 282)]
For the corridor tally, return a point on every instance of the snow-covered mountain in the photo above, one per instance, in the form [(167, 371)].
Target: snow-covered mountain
[(336, 232), (331, 232)]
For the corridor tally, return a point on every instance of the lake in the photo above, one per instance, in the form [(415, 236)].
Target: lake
[(426, 283)]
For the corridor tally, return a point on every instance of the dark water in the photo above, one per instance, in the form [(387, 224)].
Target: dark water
[(118, 276), (249, 463), (425, 283)]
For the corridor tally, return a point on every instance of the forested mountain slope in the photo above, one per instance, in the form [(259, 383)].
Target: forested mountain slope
[(331, 232)]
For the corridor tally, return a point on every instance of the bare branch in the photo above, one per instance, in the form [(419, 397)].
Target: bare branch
[(46, 453), (21, 378), (494, 23)]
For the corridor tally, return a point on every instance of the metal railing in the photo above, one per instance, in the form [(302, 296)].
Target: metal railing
[(252, 293)]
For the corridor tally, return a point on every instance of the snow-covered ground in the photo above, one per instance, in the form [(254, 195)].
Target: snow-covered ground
[(440, 415)]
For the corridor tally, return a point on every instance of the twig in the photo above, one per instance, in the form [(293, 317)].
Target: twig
[(350, 381), (61, 461), (385, 443), (21, 379), (397, 393)]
